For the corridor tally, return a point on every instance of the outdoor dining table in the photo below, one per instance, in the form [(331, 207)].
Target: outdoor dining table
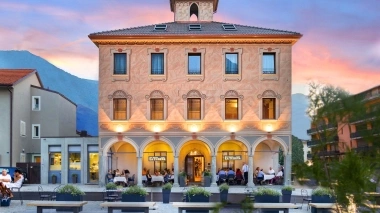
[(120, 179), (154, 178), (268, 177)]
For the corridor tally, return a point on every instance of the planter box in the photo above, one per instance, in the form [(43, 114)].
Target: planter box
[(166, 195), (267, 199), (197, 198), (321, 199), (286, 196), (68, 197), (223, 196), (132, 198), (207, 181), (5, 202)]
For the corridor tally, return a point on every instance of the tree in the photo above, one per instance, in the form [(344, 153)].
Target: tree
[(297, 152)]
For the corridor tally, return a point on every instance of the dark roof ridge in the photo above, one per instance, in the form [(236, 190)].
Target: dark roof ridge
[(53, 91)]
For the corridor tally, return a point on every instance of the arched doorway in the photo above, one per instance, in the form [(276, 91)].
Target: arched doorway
[(123, 156), (231, 154), (194, 158), (266, 154), (158, 156)]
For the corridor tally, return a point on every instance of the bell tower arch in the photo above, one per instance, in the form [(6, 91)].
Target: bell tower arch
[(203, 9)]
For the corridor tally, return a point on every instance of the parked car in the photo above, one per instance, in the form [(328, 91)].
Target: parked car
[(11, 171)]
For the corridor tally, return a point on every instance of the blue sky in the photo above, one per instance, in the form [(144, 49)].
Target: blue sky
[(340, 44)]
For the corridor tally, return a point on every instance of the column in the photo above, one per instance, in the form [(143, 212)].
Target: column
[(139, 171), (103, 168), (213, 171), (288, 169), (176, 171), (250, 171)]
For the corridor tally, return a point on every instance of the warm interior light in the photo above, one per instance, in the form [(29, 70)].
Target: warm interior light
[(269, 128), (119, 128), (193, 128), (156, 128)]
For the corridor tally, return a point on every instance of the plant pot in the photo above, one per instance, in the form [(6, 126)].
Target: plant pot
[(132, 198), (74, 179), (182, 181), (267, 199), (197, 198), (166, 195), (207, 181), (286, 196), (320, 199), (68, 197), (223, 196), (53, 179)]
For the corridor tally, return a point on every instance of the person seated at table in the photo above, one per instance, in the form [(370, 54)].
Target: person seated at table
[(109, 176), (156, 173), (117, 173), (166, 176), (260, 176), (277, 177), (238, 176), (5, 177), (148, 177), (114, 173), (144, 171), (271, 171), (5, 187), (231, 172)]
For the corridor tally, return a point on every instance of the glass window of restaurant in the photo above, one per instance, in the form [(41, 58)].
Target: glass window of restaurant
[(158, 164), (233, 159), (93, 164), (74, 174), (55, 164)]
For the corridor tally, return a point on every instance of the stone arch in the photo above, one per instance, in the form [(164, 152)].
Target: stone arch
[(194, 9), (151, 139), (238, 138), (156, 94), (114, 140), (274, 138), (120, 94), (269, 94), (231, 94), (209, 145), (193, 94)]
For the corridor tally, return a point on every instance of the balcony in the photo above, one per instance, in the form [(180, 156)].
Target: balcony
[(328, 153), (365, 117), (362, 149), (321, 128), (364, 133), (323, 140)]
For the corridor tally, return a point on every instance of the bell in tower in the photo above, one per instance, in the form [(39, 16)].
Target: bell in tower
[(203, 10)]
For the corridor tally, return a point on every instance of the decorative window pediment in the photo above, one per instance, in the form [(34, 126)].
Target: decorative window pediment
[(193, 94), (269, 94), (231, 94), (156, 94), (120, 94)]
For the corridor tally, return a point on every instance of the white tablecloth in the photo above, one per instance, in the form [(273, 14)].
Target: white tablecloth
[(120, 179), (268, 177), (154, 178)]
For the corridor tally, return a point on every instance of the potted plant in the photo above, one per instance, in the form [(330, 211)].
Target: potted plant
[(182, 179), (197, 194), (166, 189), (111, 186), (69, 193), (54, 179), (134, 194), (74, 178), (223, 192), (322, 195), (267, 195), (207, 178), (286, 194)]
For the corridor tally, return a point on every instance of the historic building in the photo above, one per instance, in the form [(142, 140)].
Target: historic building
[(194, 95)]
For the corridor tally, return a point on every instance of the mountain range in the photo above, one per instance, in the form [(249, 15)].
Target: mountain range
[(81, 91)]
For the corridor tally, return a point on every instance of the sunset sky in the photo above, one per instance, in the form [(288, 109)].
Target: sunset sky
[(340, 43)]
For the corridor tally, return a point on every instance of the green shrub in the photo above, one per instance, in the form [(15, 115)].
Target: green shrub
[(111, 186), (136, 190), (267, 191), (321, 191), (195, 190), (207, 173), (70, 189), (223, 187), (167, 186), (183, 174), (287, 188)]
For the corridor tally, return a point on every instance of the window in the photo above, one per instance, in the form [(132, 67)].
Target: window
[(194, 109), (157, 64), (228, 27), (36, 103), (269, 108), (194, 67), (231, 109), (22, 129), (120, 109), (232, 63), (269, 63), (195, 27), (157, 109), (36, 131), (120, 63), (160, 27)]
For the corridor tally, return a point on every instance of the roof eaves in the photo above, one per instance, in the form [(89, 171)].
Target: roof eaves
[(49, 90)]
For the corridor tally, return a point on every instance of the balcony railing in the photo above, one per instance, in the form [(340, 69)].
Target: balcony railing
[(328, 153), (323, 140), (362, 149), (321, 128), (364, 117), (365, 133)]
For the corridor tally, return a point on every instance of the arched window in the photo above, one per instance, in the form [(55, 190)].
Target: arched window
[(194, 105), (120, 105), (157, 107), (232, 105), (194, 11), (269, 107)]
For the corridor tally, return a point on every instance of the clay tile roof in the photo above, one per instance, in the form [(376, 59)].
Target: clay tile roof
[(8, 77)]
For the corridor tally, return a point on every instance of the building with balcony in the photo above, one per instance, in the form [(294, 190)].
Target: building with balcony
[(194, 95), (358, 132)]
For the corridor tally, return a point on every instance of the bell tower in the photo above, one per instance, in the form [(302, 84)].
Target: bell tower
[(203, 9)]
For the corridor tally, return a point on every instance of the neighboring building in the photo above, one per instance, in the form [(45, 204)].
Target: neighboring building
[(28, 113), (194, 95), (339, 137)]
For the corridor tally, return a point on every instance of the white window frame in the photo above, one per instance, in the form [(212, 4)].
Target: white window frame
[(232, 77), (120, 94), (34, 103), (22, 128), (232, 94), (157, 77), (34, 132), (194, 94), (156, 94), (275, 76), (200, 77), (125, 77), (269, 94)]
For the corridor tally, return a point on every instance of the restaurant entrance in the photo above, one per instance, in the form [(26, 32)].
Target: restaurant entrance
[(194, 166)]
